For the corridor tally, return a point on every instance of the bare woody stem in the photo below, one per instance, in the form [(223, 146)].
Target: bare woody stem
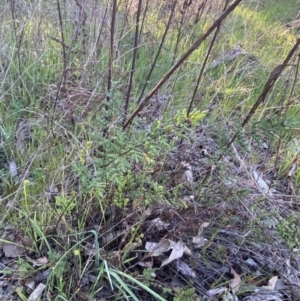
[(181, 60), (268, 85)]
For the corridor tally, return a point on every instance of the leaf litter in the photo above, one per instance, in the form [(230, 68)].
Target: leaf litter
[(194, 245)]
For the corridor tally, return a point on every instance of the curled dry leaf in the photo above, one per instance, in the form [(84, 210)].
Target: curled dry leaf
[(199, 240), (30, 284), (179, 248), (271, 283), (156, 249), (202, 226), (187, 251), (39, 262)]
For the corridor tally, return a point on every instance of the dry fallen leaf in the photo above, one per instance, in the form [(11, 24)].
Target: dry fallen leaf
[(37, 293), (15, 244), (13, 168), (217, 291), (187, 251), (202, 226), (30, 284), (148, 211), (199, 240), (158, 224), (271, 283), (266, 295), (183, 173), (39, 262), (230, 297), (235, 283), (292, 170), (146, 264), (179, 248), (156, 249), (185, 269), (264, 187), (22, 133), (12, 250)]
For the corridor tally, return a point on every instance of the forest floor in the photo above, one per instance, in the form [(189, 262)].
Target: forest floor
[(195, 197)]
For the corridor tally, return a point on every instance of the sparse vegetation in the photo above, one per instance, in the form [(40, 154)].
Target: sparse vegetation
[(149, 150)]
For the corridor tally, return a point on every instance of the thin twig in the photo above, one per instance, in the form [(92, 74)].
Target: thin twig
[(134, 53), (111, 52), (269, 84), (159, 50), (204, 64), (58, 41), (181, 60), (63, 78)]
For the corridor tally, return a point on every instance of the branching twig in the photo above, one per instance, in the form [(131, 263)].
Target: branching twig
[(181, 60), (18, 41), (159, 50), (135, 48), (111, 53), (204, 64), (65, 59), (58, 41), (63, 79), (269, 84)]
